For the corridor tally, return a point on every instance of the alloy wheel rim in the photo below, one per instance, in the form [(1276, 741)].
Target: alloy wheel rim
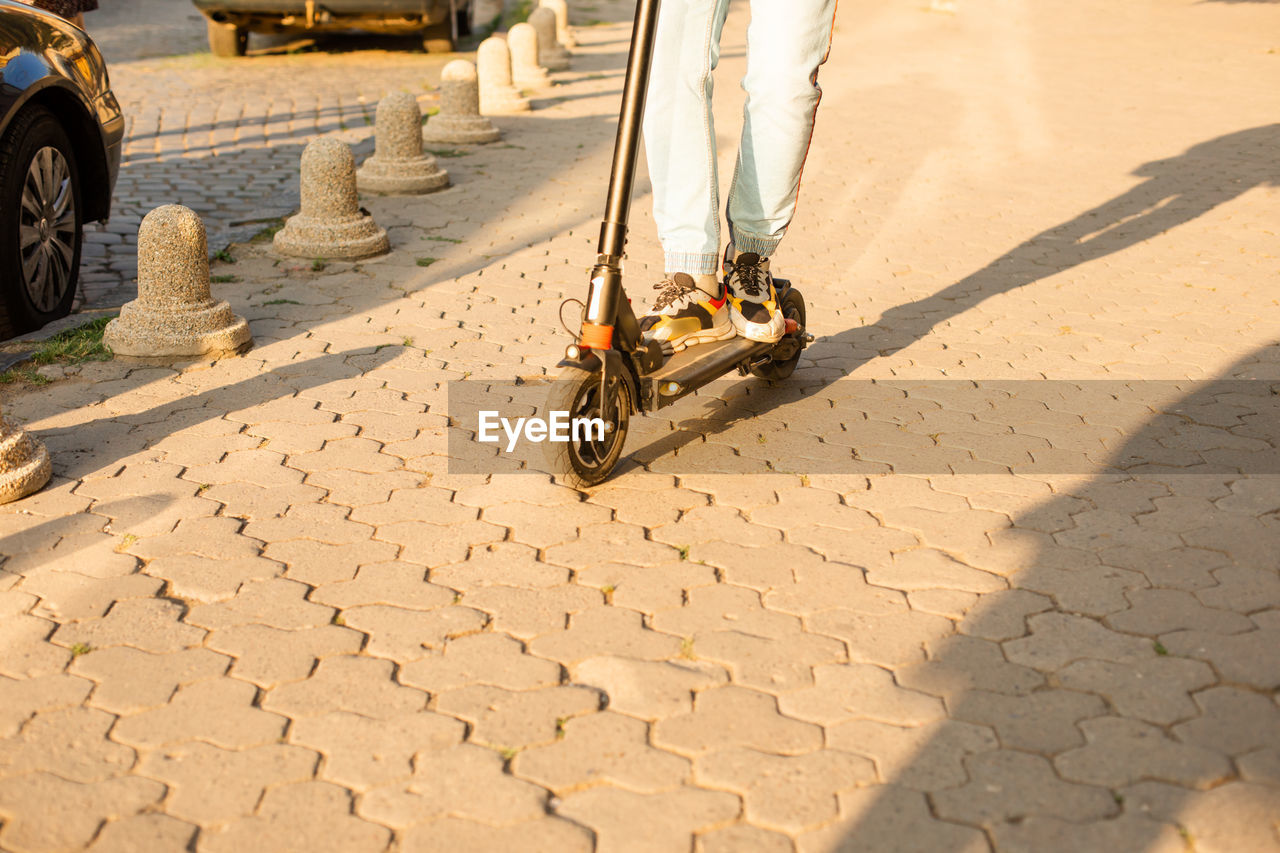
[(46, 228)]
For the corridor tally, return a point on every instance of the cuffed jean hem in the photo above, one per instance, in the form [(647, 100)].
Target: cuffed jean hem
[(693, 263), (762, 246)]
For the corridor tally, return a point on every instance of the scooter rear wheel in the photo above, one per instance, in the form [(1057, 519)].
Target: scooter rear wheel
[(585, 461), (792, 309)]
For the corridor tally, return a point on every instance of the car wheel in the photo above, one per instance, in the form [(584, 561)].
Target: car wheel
[(438, 38), (227, 39), (40, 219)]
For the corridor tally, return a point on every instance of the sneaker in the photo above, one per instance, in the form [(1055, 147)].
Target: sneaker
[(683, 315), (753, 303)]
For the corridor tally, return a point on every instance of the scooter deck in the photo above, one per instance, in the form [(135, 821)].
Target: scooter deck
[(694, 367)]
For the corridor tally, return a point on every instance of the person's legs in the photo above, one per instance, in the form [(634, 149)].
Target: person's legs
[(786, 42), (679, 135)]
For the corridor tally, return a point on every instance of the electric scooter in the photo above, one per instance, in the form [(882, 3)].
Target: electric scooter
[(610, 372)]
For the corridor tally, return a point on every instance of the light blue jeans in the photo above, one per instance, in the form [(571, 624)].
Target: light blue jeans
[(786, 42)]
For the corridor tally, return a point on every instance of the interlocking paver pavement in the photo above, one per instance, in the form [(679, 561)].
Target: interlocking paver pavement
[(995, 570)]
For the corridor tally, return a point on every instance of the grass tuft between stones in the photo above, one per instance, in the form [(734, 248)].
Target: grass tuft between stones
[(72, 346)]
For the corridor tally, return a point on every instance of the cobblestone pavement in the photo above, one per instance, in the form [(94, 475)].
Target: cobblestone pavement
[(256, 610), (224, 136)]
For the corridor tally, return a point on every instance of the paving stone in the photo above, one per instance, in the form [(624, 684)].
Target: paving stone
[(220, 711), (66, 596), (438, 544), (486, 658), (207, 579), (542, 527), (218, 538), (772, 666), (858, 691), (269, 656), (416, 505), (741, 836), (1154, 690), (146, 623), (143, 832), (1261, 765), (323, 563), (613, 538), (889, 639), (45, 812), (529, 613), (1242, 589), (500, 563), (958, 664), (392, 582), (648, 589), (209, 786), (1089, 590), (276, 602), (361, 685), (890, 818), (129, 680), (818, 587), (302, 816), (1057, 639), (515, 719), (1005, 786), (20, 698), (545, 835), (1234, 816), (605, 631), (405, 635), (465, 781), (646, 508), (786, 793), (625, 821), (730, 716), (925, 568), (650, 690), (602, 748), (257, 467), (71, 742), (360, 753), (1159, 611), (724, 607), (1127, 832), (1044, 721), (924, 758), (1233, 721), (1119, 752), (1245, 658), (249, 502)]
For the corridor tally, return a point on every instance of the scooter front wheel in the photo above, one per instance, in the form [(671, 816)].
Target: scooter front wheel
[(595, 444)]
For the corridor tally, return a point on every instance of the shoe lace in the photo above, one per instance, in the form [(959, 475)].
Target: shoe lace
[(750, 277), (669, 292)]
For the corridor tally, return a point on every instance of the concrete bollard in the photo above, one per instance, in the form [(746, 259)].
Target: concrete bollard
[(497, 93), (331, 223), (24, 463), (459, 119), (525, 70), (175, 315), (564, 33), (551, 55), (399, 165)]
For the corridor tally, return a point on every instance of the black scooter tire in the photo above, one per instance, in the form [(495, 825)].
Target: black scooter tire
[(792, 307), (589, 463)]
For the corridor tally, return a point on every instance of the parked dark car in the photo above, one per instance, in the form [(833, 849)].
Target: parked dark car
[(60, 136), (439, 22)]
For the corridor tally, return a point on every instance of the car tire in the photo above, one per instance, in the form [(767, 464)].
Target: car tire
[(438, 38), (227, 40), (40, 222)]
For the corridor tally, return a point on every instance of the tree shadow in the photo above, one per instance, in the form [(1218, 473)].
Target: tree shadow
[(1118, 693)]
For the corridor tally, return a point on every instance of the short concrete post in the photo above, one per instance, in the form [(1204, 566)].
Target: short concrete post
[(551, 55), (525, 70), (175, 315), (564, 33), (497, 94), (459, 119), (24, 463), (399, 165), (331, 223)]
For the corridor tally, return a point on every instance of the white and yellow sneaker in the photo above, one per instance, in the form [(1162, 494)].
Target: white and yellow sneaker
[(753, 303)]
